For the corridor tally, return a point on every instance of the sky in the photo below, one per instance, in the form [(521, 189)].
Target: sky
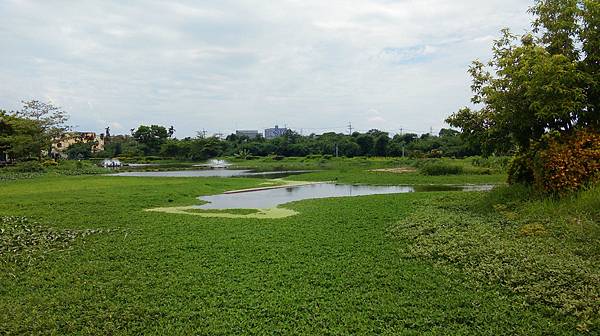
[(222, 65)]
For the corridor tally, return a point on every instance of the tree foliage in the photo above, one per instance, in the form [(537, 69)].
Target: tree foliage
[(20, 138), (52, 119), (539, 86), (80, 150), (544, 81), (151, 138), (449, 143)]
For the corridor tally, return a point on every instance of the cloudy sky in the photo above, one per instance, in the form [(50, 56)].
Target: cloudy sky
[(236, 64)]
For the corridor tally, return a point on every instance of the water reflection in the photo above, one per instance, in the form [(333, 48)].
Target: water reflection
[(211, 173), (264, 199)]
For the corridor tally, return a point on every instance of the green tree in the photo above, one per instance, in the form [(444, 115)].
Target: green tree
[(80, 150), (381, 144), (365, 142), (50, 119), (589, 35), (151, 138), (21, 138), (538, 84), (544, 82)]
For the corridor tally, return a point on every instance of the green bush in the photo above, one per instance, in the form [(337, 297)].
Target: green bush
[(520, 170), (436, 168), (50, 163), (28, 167), (493, 162)]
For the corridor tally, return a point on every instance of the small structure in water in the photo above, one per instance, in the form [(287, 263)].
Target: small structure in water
[(218, 164), (215, 164), (111, 163)]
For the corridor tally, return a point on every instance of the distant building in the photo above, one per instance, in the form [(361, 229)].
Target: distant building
[(68, 139), (252, 134), (271, 133)]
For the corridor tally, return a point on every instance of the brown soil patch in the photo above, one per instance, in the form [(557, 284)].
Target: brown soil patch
[(399, 170)]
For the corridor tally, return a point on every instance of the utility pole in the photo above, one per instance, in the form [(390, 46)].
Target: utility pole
[(430, 130), (337, 153), (350, 128)]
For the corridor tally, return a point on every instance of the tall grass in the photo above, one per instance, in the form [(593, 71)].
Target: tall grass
[(437, 168)]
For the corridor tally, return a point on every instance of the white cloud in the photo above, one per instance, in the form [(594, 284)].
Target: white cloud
[(218, 64)]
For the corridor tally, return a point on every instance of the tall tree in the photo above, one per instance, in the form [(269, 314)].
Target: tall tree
[(52, 119), (365, 142), (20, 138), (539, 83), (151, 138), (381, 144), (589, 34)]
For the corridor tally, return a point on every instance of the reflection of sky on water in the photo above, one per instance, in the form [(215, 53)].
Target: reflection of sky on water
[(263, 199), (211, 173)]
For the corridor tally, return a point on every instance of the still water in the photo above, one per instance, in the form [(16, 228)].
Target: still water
[(270, 198), (212, 173)]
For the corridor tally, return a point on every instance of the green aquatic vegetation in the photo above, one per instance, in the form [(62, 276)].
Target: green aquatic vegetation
[(34, 169), (335, 269), (23, 240), (536, 253)]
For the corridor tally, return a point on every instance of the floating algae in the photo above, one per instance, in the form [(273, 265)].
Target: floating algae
[(272, 213)]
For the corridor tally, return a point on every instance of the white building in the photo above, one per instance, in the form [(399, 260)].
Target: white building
[(271, 133)]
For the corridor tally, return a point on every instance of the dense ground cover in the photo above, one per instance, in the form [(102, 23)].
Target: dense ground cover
[(364, 170), (346, 265), (33, 169), (359, 176), (544, 249), (472, 165)]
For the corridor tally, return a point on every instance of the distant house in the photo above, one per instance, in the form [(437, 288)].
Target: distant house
[(272, 133), (68, 139), (252, 134)]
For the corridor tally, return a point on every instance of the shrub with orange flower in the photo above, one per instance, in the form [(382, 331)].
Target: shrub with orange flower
[(567, 162)]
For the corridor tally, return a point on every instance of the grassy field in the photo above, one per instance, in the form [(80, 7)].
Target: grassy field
[(473, 165), (384, 178), (87, 259), (364, 170)]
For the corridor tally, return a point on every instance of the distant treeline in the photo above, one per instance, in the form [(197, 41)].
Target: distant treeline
[(28, 134), (155, 141)]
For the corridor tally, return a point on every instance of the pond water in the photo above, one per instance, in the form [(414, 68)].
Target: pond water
[(270, 198), (211, 173)]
